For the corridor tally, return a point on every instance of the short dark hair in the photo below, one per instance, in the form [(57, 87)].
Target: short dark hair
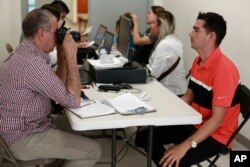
[(55, 11), (61, 6), (157, 9), (214, 23), (127, 15)]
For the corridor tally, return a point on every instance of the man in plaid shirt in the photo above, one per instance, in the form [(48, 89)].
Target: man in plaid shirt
[(27, 84)]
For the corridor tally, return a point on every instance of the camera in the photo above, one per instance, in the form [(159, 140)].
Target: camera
[(63, 30)]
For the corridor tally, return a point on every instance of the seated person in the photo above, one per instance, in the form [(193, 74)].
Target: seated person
[(147, 40), (28, 84), (136, 49), (211, 91), (168, 51), (62, 7), (56, 12)]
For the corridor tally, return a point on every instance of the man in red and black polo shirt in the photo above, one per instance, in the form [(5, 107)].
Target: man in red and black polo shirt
[(211, 91)]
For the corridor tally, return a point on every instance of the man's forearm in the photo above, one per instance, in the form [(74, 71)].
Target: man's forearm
[(73, 78), (212, 124), (61, 70)]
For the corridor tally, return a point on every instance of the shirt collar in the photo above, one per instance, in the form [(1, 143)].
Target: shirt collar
[(212, 58), (36, 50)]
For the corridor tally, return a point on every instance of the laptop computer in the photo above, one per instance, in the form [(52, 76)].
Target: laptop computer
[(108, 41), (98, 37)]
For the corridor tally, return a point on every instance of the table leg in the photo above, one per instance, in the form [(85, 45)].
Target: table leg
[(150, 145), (113, 148)]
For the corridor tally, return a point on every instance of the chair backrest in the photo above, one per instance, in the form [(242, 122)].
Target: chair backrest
[(188, 74), (9, 47), (5, 153), (244, 93), (245, 102)]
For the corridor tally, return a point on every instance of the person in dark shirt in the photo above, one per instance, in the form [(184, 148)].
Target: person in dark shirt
[(147, 40), (62, 7)]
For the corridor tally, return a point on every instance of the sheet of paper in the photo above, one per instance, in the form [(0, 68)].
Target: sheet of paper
[(98, 65), (128, 104), (94, 109)]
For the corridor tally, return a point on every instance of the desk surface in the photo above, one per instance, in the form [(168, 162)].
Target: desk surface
[(170, 110)]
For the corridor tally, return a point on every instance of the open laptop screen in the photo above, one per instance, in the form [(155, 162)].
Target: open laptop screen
[(108, 41), (100, 34), (123, 36)]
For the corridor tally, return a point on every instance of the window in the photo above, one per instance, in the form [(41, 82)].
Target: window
[(32, 5)]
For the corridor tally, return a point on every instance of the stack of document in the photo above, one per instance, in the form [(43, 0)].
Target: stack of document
[(117, 63), (128, 104), (92, 109)]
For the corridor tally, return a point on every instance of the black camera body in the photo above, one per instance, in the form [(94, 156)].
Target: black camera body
[(63, 30)]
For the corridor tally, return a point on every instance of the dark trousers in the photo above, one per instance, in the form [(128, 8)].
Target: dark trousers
[(163, 135)]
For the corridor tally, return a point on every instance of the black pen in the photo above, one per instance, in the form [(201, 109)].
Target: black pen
[(89, 102)]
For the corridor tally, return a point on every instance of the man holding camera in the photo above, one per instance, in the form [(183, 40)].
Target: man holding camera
[(27, 83)]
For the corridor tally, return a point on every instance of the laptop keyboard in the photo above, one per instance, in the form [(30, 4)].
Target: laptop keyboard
[(84, 77)]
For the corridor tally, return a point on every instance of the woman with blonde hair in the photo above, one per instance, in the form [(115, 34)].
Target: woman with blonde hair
[(147, 40), (166, 60), (165, 64)]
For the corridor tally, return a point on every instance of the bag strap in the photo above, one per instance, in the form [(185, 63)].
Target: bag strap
[(164, 74)]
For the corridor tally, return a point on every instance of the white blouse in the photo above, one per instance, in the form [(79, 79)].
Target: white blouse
[(163, 57)]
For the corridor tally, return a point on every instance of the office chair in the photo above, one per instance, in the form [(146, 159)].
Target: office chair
[(188, 74), (245, 112), (9, 47), (8, 159)]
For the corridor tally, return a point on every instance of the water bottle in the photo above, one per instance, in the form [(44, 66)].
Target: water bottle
[(103, 56)]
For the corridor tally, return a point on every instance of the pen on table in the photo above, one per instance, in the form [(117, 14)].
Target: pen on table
[(90, 102)]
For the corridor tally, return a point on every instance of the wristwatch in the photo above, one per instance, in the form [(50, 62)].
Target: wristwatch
[(192, 142)]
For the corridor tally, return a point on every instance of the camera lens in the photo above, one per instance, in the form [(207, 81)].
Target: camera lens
[(61, 34), (76, 35)]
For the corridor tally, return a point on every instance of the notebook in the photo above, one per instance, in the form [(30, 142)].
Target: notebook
[(128, 104), (98, 37), (92, 109)]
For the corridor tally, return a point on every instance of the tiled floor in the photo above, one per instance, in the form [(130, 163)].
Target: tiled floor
[(133, 158)]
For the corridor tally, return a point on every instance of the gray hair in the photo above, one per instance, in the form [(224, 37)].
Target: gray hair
[(34, 20)]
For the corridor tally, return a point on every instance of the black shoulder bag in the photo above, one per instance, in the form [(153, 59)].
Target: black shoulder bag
[(163, 75)]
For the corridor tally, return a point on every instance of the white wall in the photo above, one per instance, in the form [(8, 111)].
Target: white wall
[(13, 12), (10, 25), (237, 41), (158, 2), (72, 5), (107, 12), (40, 3)]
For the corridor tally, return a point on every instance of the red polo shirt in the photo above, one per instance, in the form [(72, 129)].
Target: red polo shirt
[(215, 84)]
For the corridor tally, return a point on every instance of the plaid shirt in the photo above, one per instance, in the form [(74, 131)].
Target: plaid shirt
[(27, 83)]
